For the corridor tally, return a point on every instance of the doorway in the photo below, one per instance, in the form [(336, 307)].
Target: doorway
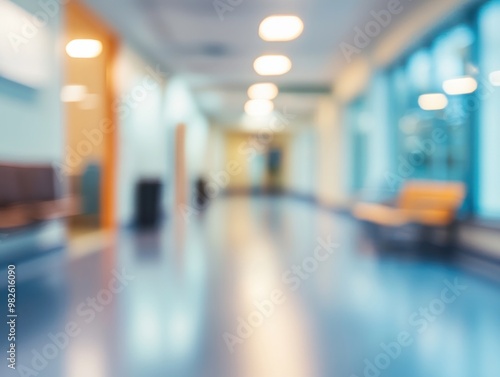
[(90, 49)]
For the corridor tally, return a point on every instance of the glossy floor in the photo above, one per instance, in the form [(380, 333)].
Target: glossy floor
[(260, 287)]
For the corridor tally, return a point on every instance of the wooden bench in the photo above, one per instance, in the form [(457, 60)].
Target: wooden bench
[(431, 205)]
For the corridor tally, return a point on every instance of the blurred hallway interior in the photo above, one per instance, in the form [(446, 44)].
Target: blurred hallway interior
[(200, 188)]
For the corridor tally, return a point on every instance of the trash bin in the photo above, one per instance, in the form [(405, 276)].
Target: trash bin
[(201, 193), (148, 203)]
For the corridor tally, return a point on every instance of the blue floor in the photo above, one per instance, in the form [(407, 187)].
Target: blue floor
[(261, 287)]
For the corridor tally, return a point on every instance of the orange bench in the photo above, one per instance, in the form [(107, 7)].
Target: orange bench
[(430, 204)]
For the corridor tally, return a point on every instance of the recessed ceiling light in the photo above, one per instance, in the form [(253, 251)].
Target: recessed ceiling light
[(281, 28), (259, 107), (272, 65), (433, 101), (263, 91), (84, 48), (460, 85)]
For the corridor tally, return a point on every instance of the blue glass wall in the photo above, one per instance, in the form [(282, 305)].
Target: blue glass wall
[(456, 142)]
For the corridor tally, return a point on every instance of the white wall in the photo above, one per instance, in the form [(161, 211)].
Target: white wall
[(302, 162), (333, 154), (147, 130), (31, 121), (216, 151), (180, 107), (142, 139)]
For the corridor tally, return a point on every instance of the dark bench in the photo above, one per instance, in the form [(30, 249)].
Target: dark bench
[(30, 194)]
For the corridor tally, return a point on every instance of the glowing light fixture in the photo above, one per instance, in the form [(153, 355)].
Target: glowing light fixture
[(272, 65), (259, 107), (461, 85), (495, 78), (73, 93), (433, 101), (263, 91), (84, 48), (281, 28)]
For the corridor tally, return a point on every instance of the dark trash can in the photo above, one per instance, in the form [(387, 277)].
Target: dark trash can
[(148, 203), (201, 192)]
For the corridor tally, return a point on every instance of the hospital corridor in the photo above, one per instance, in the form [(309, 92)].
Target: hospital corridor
[(233, 188)]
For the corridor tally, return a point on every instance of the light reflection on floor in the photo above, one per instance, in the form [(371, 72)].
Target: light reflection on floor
[(170, 320)]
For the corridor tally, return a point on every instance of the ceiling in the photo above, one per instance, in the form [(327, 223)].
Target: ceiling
[(215, 54)]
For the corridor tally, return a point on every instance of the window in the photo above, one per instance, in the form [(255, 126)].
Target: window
[(434, 144), (488, 195)]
